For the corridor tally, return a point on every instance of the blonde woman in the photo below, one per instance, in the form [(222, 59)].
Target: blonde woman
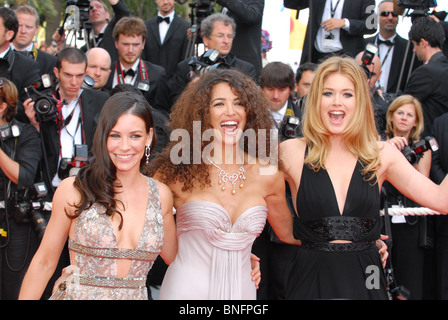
[(335, 173), (404, 127)]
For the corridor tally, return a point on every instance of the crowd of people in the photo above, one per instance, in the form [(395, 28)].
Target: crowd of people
[(213, 176)]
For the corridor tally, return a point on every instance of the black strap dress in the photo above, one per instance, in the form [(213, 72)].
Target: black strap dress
[(324, 270)]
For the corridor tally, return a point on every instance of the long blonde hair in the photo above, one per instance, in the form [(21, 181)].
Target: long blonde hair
[(360, 135)]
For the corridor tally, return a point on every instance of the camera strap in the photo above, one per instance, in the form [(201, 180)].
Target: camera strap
[(120, 75)]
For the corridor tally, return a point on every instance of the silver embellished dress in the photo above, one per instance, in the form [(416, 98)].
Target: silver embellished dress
[(94, 255)]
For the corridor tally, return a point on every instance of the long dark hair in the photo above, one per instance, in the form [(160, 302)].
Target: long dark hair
[(97, 181)]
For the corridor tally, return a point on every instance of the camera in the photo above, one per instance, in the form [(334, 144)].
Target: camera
[(370, 51), (70, 166), (84, 7), (28, 208), (417, 4), (41, 92), (8, 131), (414, 154), (208, 61), (290, 128)]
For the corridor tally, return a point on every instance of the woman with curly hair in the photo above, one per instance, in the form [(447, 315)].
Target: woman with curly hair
[(336, 172), (117, 220), (223, 173)]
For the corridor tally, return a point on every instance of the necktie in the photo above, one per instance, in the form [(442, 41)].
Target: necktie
[(129, 72), (386, 42), (161, 19)]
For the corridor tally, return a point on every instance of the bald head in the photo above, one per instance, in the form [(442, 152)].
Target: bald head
[(98, 66)]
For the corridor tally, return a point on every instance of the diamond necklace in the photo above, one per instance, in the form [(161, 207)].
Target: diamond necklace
[(224, 177)]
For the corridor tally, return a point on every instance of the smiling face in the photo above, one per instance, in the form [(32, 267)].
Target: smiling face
[(227, 114), (338, 103), (126, 142)]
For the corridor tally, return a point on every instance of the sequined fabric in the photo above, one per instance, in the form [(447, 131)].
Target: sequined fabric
[(94, 254)]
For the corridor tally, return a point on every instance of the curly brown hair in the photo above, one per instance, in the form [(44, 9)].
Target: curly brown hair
[(194, 106)]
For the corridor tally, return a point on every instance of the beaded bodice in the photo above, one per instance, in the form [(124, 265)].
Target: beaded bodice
[(94, 253), (320, 219)]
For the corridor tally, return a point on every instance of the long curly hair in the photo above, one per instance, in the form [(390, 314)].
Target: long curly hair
[(97, 181), (193, 108), (360, 135)]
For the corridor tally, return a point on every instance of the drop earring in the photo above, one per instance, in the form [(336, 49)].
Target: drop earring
[(147, 153)]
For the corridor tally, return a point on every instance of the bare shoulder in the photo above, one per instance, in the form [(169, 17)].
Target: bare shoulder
[(166, 196)]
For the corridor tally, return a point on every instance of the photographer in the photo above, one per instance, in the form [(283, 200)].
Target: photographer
[(218, 32), (69, 126), (20, 154), (102, 25), (410, 246)]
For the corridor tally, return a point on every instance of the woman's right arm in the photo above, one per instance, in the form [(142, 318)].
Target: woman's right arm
[(47, 256)]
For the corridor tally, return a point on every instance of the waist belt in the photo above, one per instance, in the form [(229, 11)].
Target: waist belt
[(338, 247), (110, 282)]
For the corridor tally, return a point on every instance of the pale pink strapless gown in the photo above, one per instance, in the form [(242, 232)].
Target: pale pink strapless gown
[(213, 260)]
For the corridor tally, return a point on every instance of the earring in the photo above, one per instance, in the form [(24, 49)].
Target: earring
[(147, 153)]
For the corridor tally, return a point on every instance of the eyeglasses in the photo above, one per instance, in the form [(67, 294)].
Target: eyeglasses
[(221, 36), (387, 13)]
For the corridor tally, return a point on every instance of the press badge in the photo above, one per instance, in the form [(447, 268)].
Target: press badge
[(143, 85), (329, 41)]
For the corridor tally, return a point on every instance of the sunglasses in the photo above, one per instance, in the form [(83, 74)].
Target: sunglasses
[(387, 13)]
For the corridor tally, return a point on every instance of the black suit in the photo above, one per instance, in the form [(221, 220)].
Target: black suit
[(248, 16), (181, 78), (398, 57), (429, 85), (169, 53), (92, 102), (352, 41), (107, 42), (46, 62), (439, 169), (158, 94), (23, 72)]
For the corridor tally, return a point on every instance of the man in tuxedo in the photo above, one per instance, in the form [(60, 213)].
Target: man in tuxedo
[(167, 40), (392, 50), (23, 42), (130, 35), (428, 83), (218, 31), (248, 16), (335, 26), (21, 70), (74, 122)]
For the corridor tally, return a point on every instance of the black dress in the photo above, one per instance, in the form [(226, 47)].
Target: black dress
[(324, 270)]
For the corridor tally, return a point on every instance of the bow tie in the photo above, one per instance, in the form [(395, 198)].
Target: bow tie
[(129, 72), (386, 42), (161, 19)]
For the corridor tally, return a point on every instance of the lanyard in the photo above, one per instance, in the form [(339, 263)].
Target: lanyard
[(120, 75), (387, 53), (333, 10)]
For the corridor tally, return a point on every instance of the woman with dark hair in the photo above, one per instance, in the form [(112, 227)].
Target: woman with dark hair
[(223, 173), (117, 220), (20, 153)]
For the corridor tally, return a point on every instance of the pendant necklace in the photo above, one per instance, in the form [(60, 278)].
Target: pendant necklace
[(224, 177)]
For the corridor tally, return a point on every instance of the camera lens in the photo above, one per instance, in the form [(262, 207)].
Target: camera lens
[(43, 106), (409, 154), (39, 223)]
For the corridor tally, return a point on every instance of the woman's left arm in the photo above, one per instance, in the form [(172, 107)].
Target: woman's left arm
[(169, 248)]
